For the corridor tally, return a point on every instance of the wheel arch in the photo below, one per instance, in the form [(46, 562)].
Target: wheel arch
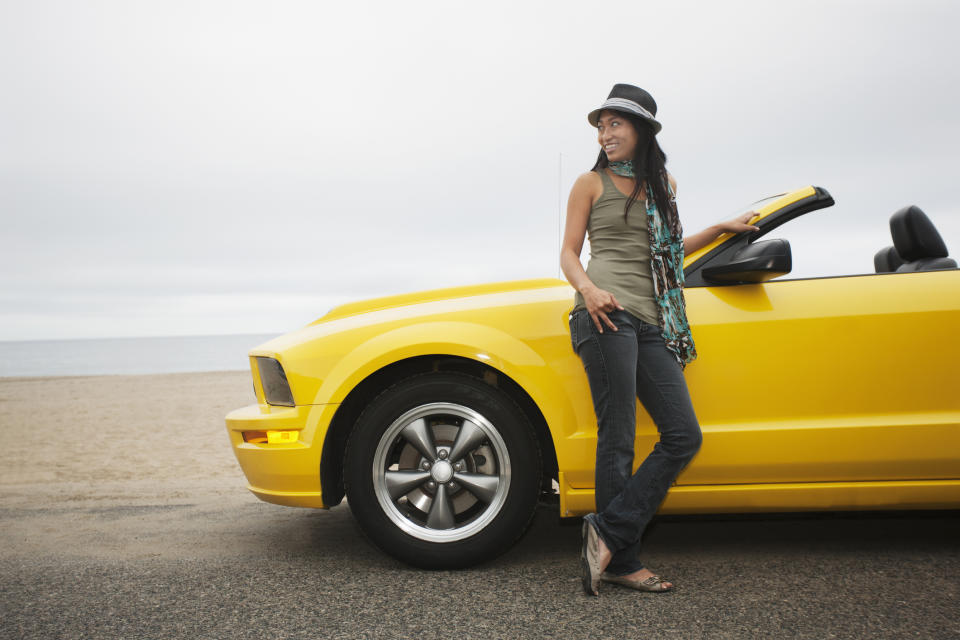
[(334, 444)]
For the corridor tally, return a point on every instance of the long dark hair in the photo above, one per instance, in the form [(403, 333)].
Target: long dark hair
[(649, 167)]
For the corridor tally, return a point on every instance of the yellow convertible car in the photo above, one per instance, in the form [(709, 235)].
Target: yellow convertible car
[(444, 416)]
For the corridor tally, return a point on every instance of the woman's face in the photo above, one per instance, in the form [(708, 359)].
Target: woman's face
[(616, 135)]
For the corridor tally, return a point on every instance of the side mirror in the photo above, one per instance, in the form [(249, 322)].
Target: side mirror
[(757, 262)]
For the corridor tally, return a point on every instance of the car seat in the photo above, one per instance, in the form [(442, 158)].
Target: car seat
[(918, 242), (887, 260)]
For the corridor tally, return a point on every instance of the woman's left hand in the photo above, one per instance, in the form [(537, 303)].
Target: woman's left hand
[(739, 224)]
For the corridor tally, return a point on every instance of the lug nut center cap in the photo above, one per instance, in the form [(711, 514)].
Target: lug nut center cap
[(441, 471)]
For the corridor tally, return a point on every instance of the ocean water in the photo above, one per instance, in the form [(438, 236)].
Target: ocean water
[(106, 356)]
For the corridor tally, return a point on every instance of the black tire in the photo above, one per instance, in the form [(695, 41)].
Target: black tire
[(446, 513)]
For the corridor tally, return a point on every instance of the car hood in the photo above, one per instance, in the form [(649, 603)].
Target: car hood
[(365, 313), (420, 297)]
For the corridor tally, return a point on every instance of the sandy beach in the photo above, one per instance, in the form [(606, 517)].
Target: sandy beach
[(78, 447), (73, 436)]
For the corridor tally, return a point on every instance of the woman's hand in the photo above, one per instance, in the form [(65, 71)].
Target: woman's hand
[(599, 304), (739, 224)]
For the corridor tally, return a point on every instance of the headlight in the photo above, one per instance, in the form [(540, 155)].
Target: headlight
[(276, 389)]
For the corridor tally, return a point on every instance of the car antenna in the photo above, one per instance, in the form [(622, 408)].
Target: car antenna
[(556, 255)]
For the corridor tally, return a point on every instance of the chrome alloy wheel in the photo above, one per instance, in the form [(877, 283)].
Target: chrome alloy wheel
[(441, 472)]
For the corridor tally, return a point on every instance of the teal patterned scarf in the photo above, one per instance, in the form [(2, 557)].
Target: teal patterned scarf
[(623, 168), (666, 265)]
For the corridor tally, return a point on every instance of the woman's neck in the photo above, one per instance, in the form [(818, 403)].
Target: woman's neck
[(622, 168)]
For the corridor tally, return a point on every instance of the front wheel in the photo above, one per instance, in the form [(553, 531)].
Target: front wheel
[(442, 471)]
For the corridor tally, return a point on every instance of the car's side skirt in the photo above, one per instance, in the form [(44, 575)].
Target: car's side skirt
[(773, 497)]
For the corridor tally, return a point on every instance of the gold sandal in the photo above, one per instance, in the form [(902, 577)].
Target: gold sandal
[(653, 584)]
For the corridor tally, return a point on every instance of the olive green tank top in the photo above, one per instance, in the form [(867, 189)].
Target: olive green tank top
[(620, 253)]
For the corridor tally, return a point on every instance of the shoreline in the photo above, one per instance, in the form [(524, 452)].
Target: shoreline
[(71, 376), (127, 356)]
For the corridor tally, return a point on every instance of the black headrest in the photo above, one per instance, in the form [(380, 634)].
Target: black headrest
[(887, 260), (914, 236)]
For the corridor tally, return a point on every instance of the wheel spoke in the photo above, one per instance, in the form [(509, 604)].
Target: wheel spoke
[(481, 485), (441, 512), (468, 438), (400, 483), (418, 434)]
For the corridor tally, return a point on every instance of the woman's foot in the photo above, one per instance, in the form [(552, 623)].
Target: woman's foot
[(642, 580)]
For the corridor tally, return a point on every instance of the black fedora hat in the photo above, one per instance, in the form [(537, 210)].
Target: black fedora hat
[(631, 99)]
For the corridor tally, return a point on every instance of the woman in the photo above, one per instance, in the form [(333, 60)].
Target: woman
[(629, 328)]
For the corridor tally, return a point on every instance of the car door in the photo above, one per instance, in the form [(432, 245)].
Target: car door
[(827, 379)]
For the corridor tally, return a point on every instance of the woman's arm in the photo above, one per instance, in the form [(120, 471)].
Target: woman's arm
[(584, 193), (699, 240)]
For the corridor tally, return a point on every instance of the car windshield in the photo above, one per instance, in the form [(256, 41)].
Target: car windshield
[(756, 205)]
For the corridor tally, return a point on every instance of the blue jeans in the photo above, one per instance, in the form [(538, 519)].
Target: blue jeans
[(633, 362)]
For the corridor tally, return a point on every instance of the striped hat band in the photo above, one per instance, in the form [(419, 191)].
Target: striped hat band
[(622, 104)]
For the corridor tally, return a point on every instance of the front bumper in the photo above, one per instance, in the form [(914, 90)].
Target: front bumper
[(286, 473)]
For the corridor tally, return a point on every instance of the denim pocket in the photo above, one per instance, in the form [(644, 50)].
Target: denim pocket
[(579, 328), (572, 321)]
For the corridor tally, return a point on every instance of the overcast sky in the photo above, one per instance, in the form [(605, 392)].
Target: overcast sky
[(207, 167)]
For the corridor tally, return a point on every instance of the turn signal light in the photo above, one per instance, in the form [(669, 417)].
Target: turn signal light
[(270, 437), (279, 437)]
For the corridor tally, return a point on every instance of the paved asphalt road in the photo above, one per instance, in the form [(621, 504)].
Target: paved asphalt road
[(228, 566)]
